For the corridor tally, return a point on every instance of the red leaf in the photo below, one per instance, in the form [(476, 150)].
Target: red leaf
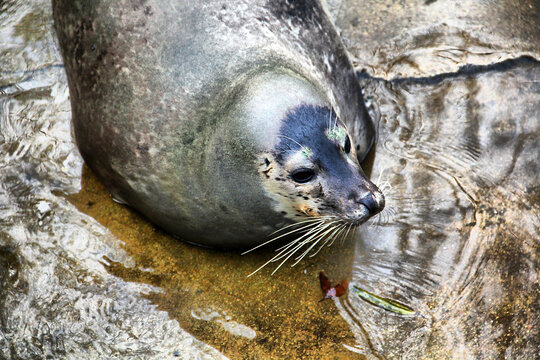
[(341, 288), (329, 290), (325, 283)]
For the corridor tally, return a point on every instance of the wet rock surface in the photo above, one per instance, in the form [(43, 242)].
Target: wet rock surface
[(392, 39), (458, 109)]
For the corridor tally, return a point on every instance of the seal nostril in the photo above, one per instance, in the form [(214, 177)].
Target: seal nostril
[(374, 202)]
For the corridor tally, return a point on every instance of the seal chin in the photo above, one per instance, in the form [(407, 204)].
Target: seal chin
[(360, 216)]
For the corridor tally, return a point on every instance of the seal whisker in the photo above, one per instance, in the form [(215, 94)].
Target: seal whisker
[(374, 221), (384, 186), (296, 142), (311, 233), (306, 226), (315, 243), (330, 114), (310, 220), (285, 248), (335, 236), (383, 217), (315, 239), (346, 235), (331, 237), (260, 267), (311, 224), (325, 229), (295, 249), (338, 228), (280, 255), (318, 222), (348, 230), (342, 236), (287, 253), (310, 229), (323, 236)]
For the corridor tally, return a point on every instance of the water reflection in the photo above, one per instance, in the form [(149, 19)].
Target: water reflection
[(459, 243)]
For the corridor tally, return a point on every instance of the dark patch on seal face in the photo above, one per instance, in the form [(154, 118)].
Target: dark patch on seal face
[(319, 164), (307, 125), (142, 148)]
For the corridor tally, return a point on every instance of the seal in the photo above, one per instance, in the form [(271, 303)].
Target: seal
[(220, 121)]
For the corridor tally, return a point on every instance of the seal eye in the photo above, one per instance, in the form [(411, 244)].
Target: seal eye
[(347, 147), (302, 175)]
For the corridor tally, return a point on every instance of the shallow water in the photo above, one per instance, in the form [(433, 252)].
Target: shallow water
[(459, 241), (457, 157)]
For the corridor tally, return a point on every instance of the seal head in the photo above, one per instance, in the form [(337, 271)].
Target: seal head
[(307, 159), (316, 163)]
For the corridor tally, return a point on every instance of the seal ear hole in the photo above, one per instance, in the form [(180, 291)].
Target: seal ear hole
[(347, 146), (302, 175)]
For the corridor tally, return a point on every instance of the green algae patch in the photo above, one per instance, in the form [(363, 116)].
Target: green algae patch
[(337, 134), (30, 27)]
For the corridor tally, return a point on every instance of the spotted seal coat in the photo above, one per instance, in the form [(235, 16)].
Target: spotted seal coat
[(220, 121)]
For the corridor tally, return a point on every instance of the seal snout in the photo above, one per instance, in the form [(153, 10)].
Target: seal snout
[(373, 201), (365, 203)]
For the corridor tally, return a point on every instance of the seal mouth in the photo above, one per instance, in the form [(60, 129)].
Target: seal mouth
[(359, 216)]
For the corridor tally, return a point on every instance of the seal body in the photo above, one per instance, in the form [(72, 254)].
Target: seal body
[(220, 121)]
